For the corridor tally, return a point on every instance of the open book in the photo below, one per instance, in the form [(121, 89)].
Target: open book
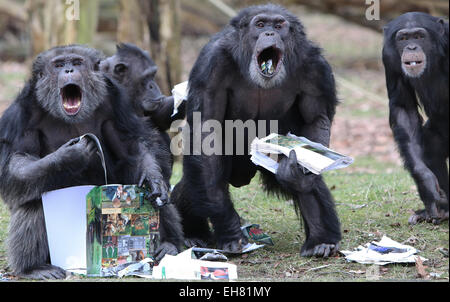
[(312, 156)]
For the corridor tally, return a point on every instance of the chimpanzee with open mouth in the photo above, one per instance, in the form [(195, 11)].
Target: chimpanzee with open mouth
[(41, 150), (260, 67)]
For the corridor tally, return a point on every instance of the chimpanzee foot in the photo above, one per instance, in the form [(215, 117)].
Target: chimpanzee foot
[(423, 215), (44, 272), (197, 242), (234, 246), (323, 250), (166, 248)]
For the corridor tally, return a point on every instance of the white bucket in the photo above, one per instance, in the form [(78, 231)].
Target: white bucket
[(65, 220)]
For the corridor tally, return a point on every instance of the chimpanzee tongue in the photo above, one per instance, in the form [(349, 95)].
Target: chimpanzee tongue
[(71, 97)]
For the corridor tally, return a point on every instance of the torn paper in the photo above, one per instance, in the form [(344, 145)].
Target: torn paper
[(383, 252)]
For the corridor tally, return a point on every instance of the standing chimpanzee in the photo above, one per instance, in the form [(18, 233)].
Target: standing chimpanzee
[(260, 67), (66, 97), (415, 56), (134, 69)]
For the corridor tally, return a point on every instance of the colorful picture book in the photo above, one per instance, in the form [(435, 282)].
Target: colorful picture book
[(122, 228), (313, 157)]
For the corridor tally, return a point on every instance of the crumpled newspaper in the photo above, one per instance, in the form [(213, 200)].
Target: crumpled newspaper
[(180, 93), (383, 252)]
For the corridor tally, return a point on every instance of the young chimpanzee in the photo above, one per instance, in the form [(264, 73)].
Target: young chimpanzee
[(261, 67), (415, 56), (66, 97), (134, 69)]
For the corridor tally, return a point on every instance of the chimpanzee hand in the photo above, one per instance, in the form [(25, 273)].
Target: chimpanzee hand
[(157, 191), (152, 180), (290, 175), (151, 105), (75, 154), (166, 248)]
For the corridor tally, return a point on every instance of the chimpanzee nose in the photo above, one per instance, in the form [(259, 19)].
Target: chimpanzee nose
[(269, 33), (411, 47), (69, 70)]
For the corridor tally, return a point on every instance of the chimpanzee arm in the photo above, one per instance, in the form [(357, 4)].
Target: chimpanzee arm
[(317, 127), (317, 109), (162, 116), (318, 102), (26, 176), (407, 126), (137, 162)]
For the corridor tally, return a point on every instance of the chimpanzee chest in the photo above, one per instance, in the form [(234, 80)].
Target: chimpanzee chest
[(252, 103), (54, 134)]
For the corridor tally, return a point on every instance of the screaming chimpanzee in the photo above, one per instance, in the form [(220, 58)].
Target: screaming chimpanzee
[(66, 97), (415, 56), (133, 68), (260, 67)]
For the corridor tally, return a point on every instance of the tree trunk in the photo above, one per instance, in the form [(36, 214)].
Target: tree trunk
[(132, 27), (163, 22), (57, 22)]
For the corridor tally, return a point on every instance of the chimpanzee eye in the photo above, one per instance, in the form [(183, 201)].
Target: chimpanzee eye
[(59, 64), (77, 62), (278, 26), (260, 24), (120, 68)]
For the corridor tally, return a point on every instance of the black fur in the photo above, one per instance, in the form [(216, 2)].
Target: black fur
[(424, 147), (35, 157), (224, 85), (137, 75), (135, 70)]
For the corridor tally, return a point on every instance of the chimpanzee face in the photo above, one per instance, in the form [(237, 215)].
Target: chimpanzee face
[(69, 84), (413, 45), (268, 33), (136, 74)]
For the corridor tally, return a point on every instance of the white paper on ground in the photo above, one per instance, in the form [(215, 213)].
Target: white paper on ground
[(183, 267), (366, 256), (65, 220)]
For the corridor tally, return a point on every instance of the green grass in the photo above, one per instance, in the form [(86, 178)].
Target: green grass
[(4, 220), (388, 195)]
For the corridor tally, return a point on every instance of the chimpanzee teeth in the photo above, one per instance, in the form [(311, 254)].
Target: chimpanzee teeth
[(413, 63), (77, 105)]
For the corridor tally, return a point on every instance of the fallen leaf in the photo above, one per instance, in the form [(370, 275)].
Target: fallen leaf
[(421, 272)]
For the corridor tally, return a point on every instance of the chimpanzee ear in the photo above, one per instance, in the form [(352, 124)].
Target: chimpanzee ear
[(385, 30), (239, 22), (97, 65), (120, 68), (442, 24), (149, 73)]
